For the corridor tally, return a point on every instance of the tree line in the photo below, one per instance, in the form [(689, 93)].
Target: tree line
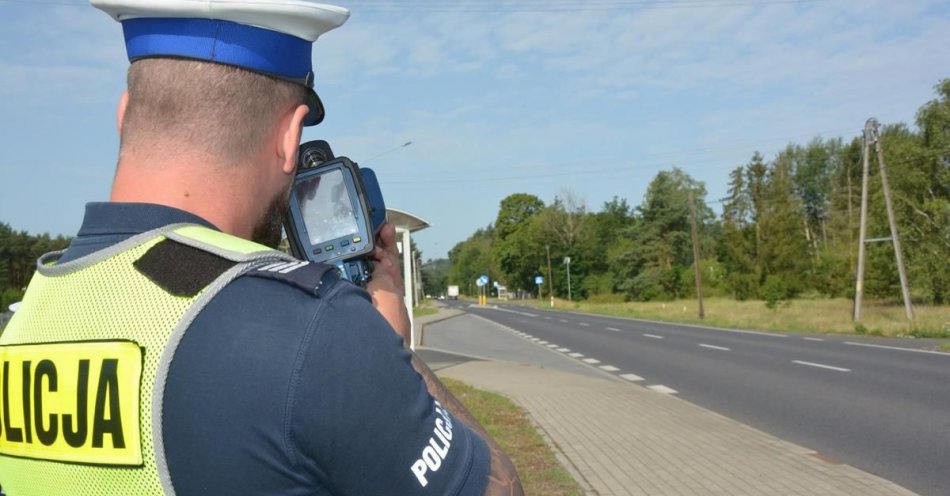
[(789, 227), (19, 251)]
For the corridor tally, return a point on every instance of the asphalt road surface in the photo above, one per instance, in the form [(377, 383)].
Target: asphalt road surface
[(875, 405)]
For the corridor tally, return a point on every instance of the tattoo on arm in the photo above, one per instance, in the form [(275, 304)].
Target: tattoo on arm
[(502, 477)]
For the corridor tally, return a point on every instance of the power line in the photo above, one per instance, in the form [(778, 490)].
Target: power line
[(556, 6), (544, 6)]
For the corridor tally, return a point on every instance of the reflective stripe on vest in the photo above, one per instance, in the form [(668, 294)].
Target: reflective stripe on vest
[(83, 365)]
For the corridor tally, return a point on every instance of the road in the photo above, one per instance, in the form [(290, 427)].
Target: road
[(881, 409)]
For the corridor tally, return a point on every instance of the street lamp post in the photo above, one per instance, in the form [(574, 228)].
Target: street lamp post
[(567, 261)]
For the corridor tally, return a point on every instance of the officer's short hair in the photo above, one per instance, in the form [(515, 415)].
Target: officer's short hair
[(214, 109)]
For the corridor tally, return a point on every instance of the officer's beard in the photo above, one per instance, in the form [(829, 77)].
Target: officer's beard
[(269, 229)]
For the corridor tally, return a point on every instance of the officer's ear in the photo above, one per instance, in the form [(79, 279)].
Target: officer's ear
[(288, 139), (120, 112)]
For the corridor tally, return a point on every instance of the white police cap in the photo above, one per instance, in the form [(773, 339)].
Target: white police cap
[(272, 37)]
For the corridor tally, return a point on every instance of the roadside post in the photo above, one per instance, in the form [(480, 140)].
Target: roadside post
[(567, 261), (538, 281), (482, 283)]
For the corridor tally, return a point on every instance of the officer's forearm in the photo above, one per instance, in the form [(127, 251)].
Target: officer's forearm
[(502, 477)]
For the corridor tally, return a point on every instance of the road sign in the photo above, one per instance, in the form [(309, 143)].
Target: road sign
[(481, 281), (538, 280)]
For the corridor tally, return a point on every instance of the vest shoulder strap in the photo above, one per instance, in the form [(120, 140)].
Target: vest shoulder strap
[(314, 279)]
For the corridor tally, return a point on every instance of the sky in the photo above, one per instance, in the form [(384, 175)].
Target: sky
[(548, 97)]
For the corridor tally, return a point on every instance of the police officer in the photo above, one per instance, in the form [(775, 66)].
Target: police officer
[(170, 350)]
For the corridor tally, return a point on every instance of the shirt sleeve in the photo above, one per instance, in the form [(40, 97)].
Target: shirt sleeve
[(363, 421)]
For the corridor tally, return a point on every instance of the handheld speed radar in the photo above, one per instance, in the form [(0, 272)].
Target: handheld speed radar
[(336, 210)]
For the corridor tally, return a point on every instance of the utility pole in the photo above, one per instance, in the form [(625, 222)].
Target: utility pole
[(550, 279), (871, 133), (567, 261), (699, 272), (895, 239)]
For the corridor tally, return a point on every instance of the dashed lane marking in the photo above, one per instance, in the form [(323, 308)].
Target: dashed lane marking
[(653, 336), (576, 355), (821, 366), (585, 324), (814, 339), (713, 347), (632, 377), (609, 368), (591, 360), (542, 342), (552, 345), (526, 314), (612, 329), (563, 320), (564, 350), (662, 389)]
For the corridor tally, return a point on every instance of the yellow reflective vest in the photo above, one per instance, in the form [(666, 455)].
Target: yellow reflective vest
[(83, 365)]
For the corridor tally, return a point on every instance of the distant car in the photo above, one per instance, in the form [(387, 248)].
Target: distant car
[(441, 297)]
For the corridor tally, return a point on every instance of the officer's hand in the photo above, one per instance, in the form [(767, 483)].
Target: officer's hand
[(386, 286)]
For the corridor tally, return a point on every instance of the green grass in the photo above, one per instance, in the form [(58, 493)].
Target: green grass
[(509, 425), (423, 310), (944, 347), (802, 315)]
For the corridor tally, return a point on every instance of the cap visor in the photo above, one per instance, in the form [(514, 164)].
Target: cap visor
[(315, 116)]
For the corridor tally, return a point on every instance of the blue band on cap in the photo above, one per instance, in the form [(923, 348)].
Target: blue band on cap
[(225, 42)]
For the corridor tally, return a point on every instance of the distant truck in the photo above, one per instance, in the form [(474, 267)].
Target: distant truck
[(453, 292)]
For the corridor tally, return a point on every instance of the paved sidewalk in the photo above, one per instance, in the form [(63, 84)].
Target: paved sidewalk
[(620, 438)]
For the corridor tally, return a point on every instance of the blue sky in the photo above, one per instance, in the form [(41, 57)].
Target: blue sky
[(547, 97)]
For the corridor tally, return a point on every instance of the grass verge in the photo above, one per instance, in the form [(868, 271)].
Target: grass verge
[(801, 315), (423, 310), (537, 466)]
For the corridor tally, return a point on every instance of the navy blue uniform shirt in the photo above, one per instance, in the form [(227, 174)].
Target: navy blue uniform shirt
[(275, 391)]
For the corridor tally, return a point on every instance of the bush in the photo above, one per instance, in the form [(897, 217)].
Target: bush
[(9, 296), (774, 291)]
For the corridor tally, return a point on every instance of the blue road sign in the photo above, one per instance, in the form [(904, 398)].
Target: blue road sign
[(538, 280)]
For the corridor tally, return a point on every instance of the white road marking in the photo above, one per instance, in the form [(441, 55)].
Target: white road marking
[(609, 368), (526, 314), (632, 377), (896, 348), (585, 324), (527, 336), (829, 367), (536, 340), (591, 360), (552, 345), (542, 342), (662, 389), (576, 355), (654, 336), (547, 318), (712, 347), (814, 339), (564, 350), (612, 329), (562, 320)]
